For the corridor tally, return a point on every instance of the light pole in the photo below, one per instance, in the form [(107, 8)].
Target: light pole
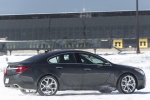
[(137, 28)]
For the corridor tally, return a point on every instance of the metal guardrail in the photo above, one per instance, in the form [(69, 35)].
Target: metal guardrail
[(54, 44)]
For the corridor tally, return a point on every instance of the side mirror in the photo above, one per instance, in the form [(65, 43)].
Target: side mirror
[(107, 64)]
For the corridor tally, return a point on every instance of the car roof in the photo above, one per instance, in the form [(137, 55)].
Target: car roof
[(63, 51), (50, 53)]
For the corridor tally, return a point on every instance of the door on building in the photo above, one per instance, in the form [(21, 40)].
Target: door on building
[(117, 43), (143, 43)]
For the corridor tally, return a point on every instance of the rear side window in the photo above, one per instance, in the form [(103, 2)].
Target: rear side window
[(53, 60), (63, 58)]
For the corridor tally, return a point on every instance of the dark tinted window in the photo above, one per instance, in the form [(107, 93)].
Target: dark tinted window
[(90, 59), (63, 58)]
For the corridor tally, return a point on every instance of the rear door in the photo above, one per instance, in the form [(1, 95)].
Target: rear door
[(70, 72)]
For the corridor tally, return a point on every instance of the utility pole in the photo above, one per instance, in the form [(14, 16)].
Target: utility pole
[(137, 28)]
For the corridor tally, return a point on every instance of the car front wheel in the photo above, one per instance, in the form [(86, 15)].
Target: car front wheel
[(127, 84), (47, 86)]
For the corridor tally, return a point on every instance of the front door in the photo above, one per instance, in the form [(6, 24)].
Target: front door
[(95, 72)]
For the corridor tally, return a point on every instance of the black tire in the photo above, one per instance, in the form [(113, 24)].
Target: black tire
[(28, 91), (127, 84), (47, 86)]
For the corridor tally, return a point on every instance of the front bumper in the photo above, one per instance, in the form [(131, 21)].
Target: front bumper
[(141, 83)]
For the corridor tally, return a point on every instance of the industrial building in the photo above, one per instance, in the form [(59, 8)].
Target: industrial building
[(85, 30)]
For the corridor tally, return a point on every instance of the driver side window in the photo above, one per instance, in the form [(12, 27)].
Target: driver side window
[(90, 59)]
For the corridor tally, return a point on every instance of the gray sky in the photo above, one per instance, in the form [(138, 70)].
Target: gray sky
[(57, 6)]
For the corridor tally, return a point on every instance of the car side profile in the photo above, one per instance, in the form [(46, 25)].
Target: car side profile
[(50, 72)]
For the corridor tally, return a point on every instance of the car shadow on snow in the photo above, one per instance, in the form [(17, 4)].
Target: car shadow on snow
[(71, 94), (141, 93), (113, 93), (93, 93)]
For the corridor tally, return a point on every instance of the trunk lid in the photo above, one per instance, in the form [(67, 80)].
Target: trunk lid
[(18, 67)]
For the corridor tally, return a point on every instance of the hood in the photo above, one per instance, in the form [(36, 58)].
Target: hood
[(124, 66)]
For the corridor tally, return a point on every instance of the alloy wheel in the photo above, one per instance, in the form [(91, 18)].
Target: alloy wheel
[(127, 84), (48, 86)]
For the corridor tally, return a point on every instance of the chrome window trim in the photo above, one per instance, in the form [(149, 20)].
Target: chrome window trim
[(73, 52)]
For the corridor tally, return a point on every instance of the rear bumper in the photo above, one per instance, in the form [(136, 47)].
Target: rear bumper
[(15, 81)]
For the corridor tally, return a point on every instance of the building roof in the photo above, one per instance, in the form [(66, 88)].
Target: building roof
[(74, 15)]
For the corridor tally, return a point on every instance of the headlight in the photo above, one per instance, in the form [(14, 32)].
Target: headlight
[(140, 71)]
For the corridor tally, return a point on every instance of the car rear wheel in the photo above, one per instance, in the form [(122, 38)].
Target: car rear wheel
[(47, 86), (127, 84)]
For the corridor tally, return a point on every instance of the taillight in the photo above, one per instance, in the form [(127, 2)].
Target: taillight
[(20, 69), (4, 71)]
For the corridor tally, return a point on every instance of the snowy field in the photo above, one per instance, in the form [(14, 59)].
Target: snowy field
[(128, 58)]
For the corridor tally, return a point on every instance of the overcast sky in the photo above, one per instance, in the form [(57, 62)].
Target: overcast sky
[(57, 6)]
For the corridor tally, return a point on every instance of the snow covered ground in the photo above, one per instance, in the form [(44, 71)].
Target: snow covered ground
[(128, 58)]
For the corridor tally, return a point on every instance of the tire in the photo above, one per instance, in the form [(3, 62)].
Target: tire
[(28, 91), (127, 84), (47, 86)]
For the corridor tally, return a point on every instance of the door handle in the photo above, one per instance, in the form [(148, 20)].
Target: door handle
[(87, 69), (59, 67)]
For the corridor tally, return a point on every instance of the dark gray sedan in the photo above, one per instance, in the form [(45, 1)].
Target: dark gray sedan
[(50, 72)]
